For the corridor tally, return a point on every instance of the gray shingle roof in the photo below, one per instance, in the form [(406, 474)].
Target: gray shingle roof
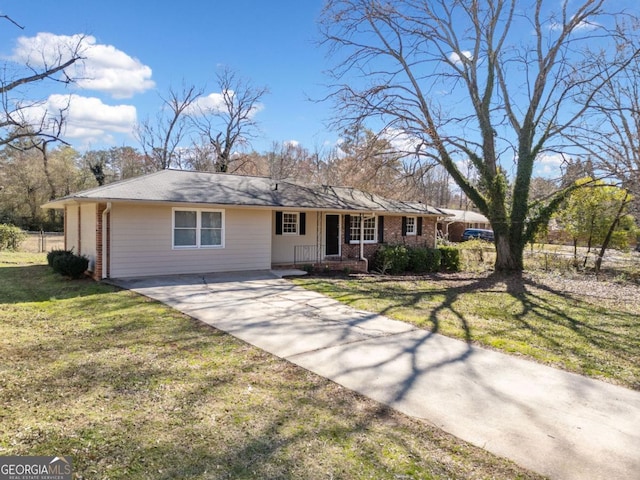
[(466, 216), (178, 186)]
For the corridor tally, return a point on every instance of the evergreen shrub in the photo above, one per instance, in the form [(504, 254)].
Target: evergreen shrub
[(70, 265)]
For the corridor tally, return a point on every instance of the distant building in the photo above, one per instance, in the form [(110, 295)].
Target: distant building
[(452, 227)]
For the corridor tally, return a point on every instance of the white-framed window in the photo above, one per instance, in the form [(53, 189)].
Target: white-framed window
[(370, 230), (290, 222), (198, 228), (411, 225)]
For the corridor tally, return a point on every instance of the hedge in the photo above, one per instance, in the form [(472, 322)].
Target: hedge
[(392, 259), (396, 259), (423, 260)]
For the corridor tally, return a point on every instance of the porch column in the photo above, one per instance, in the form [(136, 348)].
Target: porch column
[(361, 236)]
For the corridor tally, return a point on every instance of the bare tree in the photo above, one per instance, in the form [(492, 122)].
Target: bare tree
[(370, 162), (161, 137), (9, 19), (17, 117), (227, 120), (430, 184), (615, 113), (285, 160), (461, 78)]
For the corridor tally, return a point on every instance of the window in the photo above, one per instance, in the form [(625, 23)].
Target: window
[(289, 223), (369, 229), (198, 228), (411, 225)]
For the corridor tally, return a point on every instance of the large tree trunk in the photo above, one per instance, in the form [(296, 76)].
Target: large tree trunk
[(508, 256)]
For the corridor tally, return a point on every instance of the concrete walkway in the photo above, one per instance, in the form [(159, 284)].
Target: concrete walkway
[(558, 424)]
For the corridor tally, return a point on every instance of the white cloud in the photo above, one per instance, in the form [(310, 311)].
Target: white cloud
[(455, 58), (86, 118), (104, 68), (215, 103), (401, 141), (45, 48), (582, 25), (292, 143), (551, 159), (549, 163)]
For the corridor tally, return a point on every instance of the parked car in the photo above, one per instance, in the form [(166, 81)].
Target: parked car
[(479, 233)]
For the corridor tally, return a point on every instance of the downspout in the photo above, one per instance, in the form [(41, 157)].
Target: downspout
[(105, 242), (362, 257)]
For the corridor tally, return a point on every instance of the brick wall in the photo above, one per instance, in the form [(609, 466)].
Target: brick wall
[(393, 236), (97, 270)]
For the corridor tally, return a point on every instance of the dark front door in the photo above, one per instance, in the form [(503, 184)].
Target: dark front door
[(332, 234)]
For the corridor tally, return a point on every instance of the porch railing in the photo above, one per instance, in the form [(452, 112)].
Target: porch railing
[(308, 254)]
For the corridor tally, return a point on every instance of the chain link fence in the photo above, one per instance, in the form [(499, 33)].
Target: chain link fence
[(561, 259), (39, 242)]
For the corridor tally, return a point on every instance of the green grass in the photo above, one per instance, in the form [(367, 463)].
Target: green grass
[(134, 390), (597, 337)]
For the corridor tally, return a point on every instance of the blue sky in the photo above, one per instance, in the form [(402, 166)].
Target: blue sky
[(139, 49), (143, 48)]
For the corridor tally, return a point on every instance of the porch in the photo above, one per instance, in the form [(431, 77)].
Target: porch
[(314, 256)]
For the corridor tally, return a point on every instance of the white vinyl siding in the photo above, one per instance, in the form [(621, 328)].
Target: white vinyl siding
[(284, 246), (71, 227), (81, 230), (88, 232), (142, 243)]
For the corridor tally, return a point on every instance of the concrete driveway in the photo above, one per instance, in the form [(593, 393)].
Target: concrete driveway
[(558, 424)]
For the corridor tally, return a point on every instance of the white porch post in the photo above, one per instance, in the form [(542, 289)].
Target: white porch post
[(361, 236)]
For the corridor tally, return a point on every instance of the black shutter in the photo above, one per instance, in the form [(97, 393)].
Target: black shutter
[(420, 226), (303, 223), (347, 228), (278, 223), (404, 226), (381, 229)]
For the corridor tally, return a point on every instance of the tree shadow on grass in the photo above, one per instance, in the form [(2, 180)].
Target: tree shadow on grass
[(190, 402), (553, 326)]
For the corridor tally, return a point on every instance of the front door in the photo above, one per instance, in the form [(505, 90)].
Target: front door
[(332, 235)]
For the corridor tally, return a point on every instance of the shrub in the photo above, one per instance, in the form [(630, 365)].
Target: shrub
[(393, 259), (423, 260), (417, 260), (56, 253), (450, 258), (11, 237), (434, 260), (70, 265)]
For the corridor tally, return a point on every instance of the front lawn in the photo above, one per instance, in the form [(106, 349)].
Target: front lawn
[(579, 324), (134, 390)]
